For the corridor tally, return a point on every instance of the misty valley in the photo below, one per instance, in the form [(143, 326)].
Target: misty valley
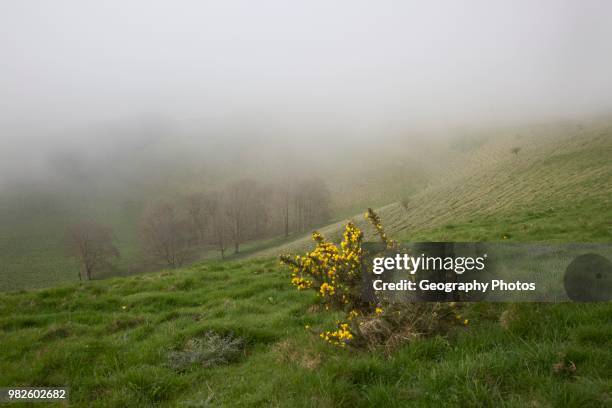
[(198, 203)]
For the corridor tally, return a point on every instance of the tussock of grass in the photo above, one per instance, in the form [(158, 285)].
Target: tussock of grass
[(404, 323), (210, 350), (124, 322), (56, 332)]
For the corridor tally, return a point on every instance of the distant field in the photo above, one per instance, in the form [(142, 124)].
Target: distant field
[(32, 250)]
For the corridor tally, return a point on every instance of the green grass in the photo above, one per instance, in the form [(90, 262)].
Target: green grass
[(109, 341), (590, 221), (32, 250)]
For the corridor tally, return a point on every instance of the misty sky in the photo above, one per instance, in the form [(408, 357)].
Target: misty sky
[(353, 63)]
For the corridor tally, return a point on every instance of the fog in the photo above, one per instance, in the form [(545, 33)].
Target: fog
[(94, 79)]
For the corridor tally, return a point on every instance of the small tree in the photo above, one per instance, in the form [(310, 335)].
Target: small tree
[(197, 204), (312, 201), (165, 235), (92, 244), (282, 205), (218, 222), (238, 198)]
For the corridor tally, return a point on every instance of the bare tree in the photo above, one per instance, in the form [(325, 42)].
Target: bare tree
[(276, 212), (285, 195), (165, 235), (296, 205), (196, 208), (247, 210), (312, 203), (218, 222), (259, 217), (92, 244), (238, 196)]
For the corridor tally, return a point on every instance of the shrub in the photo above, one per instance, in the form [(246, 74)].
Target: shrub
[(335, 274), (165, 235), (208, 351)]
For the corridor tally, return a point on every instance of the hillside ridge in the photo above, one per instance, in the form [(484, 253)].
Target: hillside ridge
[(552, 175)]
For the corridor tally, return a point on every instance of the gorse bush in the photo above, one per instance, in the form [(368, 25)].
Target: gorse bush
[(210, 350), (334, 273)]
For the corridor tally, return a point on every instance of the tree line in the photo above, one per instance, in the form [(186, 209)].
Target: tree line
[(180, 230)]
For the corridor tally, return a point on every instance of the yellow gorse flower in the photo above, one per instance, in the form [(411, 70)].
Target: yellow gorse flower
[(326, 289), (339, 337), (332, 271)]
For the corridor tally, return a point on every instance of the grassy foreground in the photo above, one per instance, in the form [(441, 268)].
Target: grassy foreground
[(110, 340)]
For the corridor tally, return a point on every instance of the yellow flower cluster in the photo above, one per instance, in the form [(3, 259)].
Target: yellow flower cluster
[(459, 318), (327, 289), (301, 283), (333, 272), (338, 337)]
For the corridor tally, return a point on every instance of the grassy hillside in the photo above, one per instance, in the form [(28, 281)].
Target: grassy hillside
[(32, 248), (113, 341), (118, 184), (110, 341), (558, 188), (470, 188)]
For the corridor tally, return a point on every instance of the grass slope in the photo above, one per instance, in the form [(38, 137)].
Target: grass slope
[(109, 342), (34, 217), (558, 188), (559, 181), (32, 248)]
